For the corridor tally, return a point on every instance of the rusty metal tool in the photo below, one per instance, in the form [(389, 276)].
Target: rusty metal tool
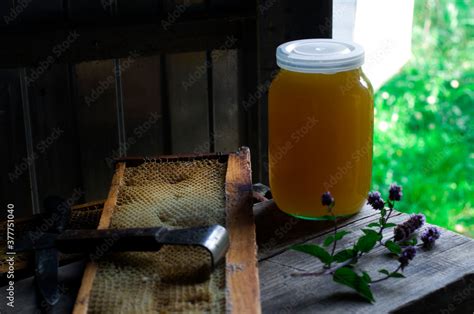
[(214, 239)]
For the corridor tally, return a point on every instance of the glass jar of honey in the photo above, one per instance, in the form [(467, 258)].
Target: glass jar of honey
[(320, 116)]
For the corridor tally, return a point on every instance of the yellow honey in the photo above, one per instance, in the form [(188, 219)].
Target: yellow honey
[(320, 131)]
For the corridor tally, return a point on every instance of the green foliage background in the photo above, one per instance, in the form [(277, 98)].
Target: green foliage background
[(429, 110)]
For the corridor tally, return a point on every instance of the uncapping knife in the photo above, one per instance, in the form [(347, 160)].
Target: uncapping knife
[(214, 239)]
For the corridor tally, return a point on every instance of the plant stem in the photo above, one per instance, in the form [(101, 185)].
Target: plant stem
[(328, 269), (385, 221), (381, 243), (315, 273), (359, 255), (387, 276), (335, 231)]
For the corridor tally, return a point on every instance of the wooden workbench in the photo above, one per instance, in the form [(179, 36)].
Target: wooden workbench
[(438, 281)]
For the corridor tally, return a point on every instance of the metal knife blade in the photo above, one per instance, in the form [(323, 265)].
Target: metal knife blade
[(214, 239)]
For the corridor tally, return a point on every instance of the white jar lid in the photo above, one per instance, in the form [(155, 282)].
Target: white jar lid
[(319, 56)]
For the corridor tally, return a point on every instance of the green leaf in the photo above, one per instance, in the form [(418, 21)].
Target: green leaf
[(346, 276), (328, 240), (393, 247), (389, 225), (373, 224), (396, 275), (383, 212), (413, 241), (314, 250), (384, 271), (368, 241), (371, 232), (341, 234), (349, 278), (344, 255), (338, 236), (366, 277)]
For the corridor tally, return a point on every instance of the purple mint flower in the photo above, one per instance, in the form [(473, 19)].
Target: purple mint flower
[(327, 199), (373, 196), (395, 192), (429, 236), (403, 231), (379, 204), (375, 200), (407, 255), (416, 221)]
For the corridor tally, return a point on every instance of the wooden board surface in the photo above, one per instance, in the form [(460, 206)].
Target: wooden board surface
[(55, 133), (14, 177), (82, 299), (437, 280), (225, 93), (97, 124), (187, 94), (241, 259), (242, 283), (142, 106), (115, 40)]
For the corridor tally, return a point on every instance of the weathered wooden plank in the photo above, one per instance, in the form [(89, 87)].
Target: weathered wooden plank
[(90, 10), (241, 271), (457, 297), (82, 300), (282, 21), (184, 7), (249, 110), (134, 161), (27, 46), (142, 106), (14, 180), (54, 132), (34, 12), (276, 230), (449, 264), (138, 10), (111, 201), (440, 276), (97, 124), (188, 106), (307, 264), (241, 260), (225, 73)]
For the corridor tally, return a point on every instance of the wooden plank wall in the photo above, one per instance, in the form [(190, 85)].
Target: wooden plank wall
[(204, 117), (77, 127), (228, 134), (174, 97), (97, 123), (14, 180), (143, 106), (55, 134), (188, 101)]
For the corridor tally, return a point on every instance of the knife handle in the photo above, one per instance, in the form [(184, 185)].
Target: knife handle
[(109, 240)]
